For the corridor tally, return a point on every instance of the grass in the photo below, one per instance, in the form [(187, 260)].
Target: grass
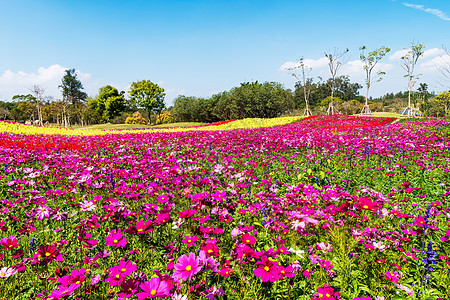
[(382, 114), (135, 126)]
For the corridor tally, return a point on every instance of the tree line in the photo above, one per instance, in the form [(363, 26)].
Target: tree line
[(144, 103)]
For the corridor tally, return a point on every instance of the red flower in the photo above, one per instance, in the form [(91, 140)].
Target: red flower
[(211, 249), (48, 254), (9, 242)]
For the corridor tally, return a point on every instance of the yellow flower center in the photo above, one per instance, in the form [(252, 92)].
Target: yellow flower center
[(123, 270), (140, 229), (210, 251), (366, 207), (188, 268), (118, 276), (266, 268), (282, 272), (47, 254), (328, 295), (115, 241), (2, 274), (247, 241), (153, 292), (77, 282)]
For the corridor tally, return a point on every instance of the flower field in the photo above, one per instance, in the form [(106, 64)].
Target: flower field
[(326, 207)]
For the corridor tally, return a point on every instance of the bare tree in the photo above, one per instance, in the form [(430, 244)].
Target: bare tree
[(334, 64), (38, 93), (409, 61), (369, 62), (304, 82), (444, 66)]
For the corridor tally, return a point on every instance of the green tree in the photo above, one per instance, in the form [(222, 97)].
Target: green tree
[(148, 95), (72, 92), (409, 61), (442, 100), (109, 103), (72, 88), (369, 61)]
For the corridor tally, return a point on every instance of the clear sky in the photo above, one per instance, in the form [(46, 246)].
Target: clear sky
[(198, 48)]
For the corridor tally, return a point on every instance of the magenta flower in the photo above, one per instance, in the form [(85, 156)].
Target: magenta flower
[(392, 276), (186, 267), (119, 272), (248, 239), (64, 291), (116, 239), (285, 272), (327, 292), (367, 204), (190, 240), (144, 226), (326, 264), (267, 270), (154, 288), (446, 237), (9, 242)]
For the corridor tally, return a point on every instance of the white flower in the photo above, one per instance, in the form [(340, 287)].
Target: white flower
[(5, 272)]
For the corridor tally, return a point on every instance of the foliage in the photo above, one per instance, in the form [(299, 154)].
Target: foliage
[(136, 118), (72, 88), (147, 95), (165, 117)]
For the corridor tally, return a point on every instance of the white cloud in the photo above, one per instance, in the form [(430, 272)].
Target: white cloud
[(398, 54), (434, 11), (48, 78), (436, 62), (309, 63), (433, 52)]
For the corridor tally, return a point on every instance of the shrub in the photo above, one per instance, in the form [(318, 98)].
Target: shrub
[(136, 118), (165, 117)]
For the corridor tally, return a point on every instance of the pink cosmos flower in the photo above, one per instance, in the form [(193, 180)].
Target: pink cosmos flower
[(392, 276), (64, 291), (153, 288), (190, 240), (226, 271), (420, 221), (327, 292), (187, 213), (446, 237), (88, 205), (76, 277), (208, 262), (129, 288), (326, 264), (144, 226), (267, 270), (285, 272), (116, 239), (186, 266), (162, 218), (248, 239), (9, 242), (367, 204), (42, 212), (119, 272)]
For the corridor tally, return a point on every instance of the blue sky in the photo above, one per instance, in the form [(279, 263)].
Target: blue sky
[(198, 48)]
